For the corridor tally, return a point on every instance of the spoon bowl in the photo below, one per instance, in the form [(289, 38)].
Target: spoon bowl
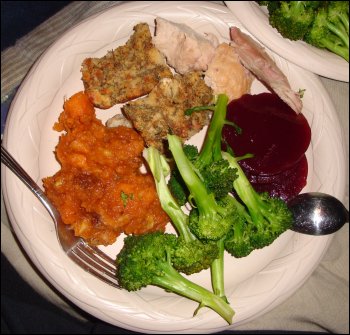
[(317, 213)]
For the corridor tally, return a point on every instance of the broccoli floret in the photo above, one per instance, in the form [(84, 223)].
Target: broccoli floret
[(330, 29), (208, 220), (218, 178), (191, 255), (292, 19), (194, 256), (177, 187), (323, 24), (176, 184), (237, 241), (211, 149), (338, 15), (271, 5), (265, 217), (191, 152), (147, 260), (214, 171)]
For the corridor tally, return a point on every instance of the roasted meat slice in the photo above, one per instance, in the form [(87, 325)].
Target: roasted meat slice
[(254, 58)]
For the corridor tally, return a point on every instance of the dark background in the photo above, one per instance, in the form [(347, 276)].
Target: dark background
[(20, 17)]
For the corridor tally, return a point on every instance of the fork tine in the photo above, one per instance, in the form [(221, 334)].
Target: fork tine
[(100, 263), (94, 261), (84, 259), (101, 254), (92, 271), (90, 259)]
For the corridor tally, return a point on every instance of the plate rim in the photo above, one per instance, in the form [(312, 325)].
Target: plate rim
[(271, 39)]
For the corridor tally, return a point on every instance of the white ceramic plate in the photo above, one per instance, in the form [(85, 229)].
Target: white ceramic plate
[(254, 284), (255, 19)]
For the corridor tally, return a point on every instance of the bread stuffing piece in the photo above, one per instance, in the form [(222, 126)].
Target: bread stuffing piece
[(163, 110), (126, 73), (185, 50)]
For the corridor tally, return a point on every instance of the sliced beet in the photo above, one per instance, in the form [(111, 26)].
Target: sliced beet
[(271, 131), (284, 185)]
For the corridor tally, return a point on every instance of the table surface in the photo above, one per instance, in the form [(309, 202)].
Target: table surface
[(304, 311)]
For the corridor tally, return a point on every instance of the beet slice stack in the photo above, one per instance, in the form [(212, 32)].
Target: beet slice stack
[(276, 136)]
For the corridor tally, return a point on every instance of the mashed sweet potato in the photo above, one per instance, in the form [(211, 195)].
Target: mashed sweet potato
[(99, 189)]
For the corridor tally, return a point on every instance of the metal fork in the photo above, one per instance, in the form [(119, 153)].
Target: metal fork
[(89, 258)]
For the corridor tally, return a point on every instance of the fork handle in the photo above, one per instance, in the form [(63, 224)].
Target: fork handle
[(13, 165)]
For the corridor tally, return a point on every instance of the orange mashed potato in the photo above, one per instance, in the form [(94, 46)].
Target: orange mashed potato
[(99, 189)]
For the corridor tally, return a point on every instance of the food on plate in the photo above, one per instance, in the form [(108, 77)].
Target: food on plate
[(260, 218), (285, 185), (126, 73), (99, 189), (213, 215), (226, 74), (323, 24), (146, 260), (185, 50), (190, 255), (162, 110), (215, 185), (101, 192), (275, 135), (254, 58), (118, 120)]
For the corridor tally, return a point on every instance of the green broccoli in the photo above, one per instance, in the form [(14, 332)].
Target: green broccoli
[(211, 149), (271, 5), (190, 254), (263, 218), (147, 260), (330, 29), (217, 178), (292, 19), (209, 165), (208, 220), (214, 171), (177, 187), (176, 184), (237, 241), (323, 24)]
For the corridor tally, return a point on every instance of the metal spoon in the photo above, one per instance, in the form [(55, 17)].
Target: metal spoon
[(317, 213)]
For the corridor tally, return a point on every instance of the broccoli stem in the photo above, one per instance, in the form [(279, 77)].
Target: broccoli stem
[(205, 202), (245, 190), (175, 282), (217, 272), (337, 49), (160, 169), (339, 32), (345, 20), (211, 150)]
